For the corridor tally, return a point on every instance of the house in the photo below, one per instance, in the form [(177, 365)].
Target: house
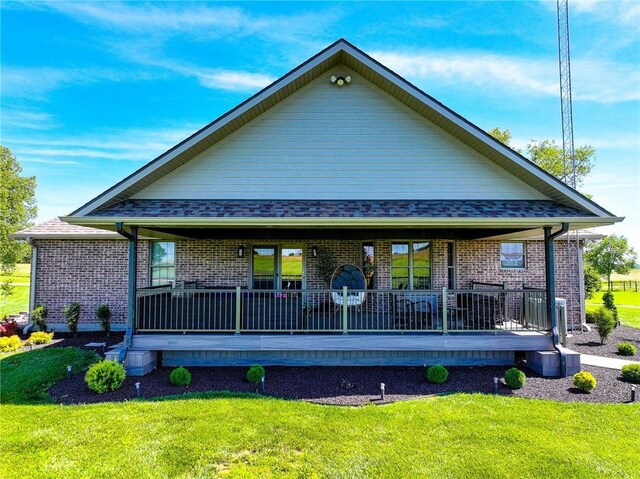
[(442, 238)]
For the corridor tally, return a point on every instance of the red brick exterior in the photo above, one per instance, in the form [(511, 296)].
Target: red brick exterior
[(95, 271)]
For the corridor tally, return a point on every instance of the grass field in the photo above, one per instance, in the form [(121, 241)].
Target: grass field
[(19, 299), (218, 435)]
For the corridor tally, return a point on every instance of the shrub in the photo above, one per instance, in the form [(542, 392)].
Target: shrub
[(631, 373), (588, 316), (103, 313), (39, 317), (72, 316), (584, 381), (9, 343), (592, 281), (105, 376), (514, 378), (39, 337), (8, 327), (607, 300), (603, 319), (255, 373), (437, 374), (626, 349), (180, 377)]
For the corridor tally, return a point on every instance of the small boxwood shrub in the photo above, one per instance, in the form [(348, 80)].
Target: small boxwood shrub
[(255, 373), (603, 319), (514, 378), (180, 377), (631, 373), (9, 343), (72, 316), (39, 317), (584, 381), (626, 349), (105, 376), (437, 374), (39, 337), (103, 313)]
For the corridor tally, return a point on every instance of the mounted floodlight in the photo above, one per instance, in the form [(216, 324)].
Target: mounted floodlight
[(340, 80)]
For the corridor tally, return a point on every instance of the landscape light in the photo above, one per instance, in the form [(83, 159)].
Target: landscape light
[(495, 385), (382, 391), (69, 371), (137, 389)]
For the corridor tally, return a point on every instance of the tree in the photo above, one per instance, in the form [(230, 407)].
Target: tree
[(592, 281), (611, 254), (547, 154), (17, 211)]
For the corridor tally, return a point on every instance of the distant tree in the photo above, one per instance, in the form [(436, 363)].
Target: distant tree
[(547, 154), (17, 211), (592, 281), (611, 254)]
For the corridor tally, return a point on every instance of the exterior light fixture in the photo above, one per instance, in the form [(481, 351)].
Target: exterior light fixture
[(314, 251), (137, 389), (633, 394), (340, 80), (240, 251), (69, 371), (495, 385), (382, 391)]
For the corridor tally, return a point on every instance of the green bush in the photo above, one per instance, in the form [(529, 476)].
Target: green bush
[(514, 378), (255, 373), (607, 300), (631, 373), (626, 349), (585, 381), (105, 376), (39, 337), (588, 316), (9, 343), (592, 281), (39, 317), (180, 377), (437, 374), (72, 316), (103, 313), (603, 319)]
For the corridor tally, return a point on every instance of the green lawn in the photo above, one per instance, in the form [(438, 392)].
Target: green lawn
[(457, 436), (19, 299), (627, 302)]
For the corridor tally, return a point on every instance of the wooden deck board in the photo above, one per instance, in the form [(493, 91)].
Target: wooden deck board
[(502, 341)]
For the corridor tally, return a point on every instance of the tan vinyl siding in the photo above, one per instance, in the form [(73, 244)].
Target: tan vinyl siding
[(330, 142)]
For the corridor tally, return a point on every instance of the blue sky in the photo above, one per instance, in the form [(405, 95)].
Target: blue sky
[(93, 90)]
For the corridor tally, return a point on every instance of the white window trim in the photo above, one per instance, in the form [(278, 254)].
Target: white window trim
[(524, 257), (410, 272), (151, 266)]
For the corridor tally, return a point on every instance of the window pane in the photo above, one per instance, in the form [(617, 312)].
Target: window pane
[(399, 277), (162, 253), (512, 255), (421, 255), (421, 278), (368, 263), (400, 254)]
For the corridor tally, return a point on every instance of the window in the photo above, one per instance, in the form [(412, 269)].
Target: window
[(163, 263), (451, 265), (512, 255), (411, 265), (369, 263)]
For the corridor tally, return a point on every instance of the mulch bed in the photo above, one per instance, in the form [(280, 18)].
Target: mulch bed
[(347, 386), (589, 342)]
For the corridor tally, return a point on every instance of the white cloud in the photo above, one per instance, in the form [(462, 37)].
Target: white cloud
[(234, 80), (594, 80), (621, 12), (29, 120), (49, 162)]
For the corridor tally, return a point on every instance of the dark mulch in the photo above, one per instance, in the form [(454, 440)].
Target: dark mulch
[(349, 386), (589, 343)]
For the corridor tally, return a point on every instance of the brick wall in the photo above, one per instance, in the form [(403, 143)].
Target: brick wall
[(95, 271)]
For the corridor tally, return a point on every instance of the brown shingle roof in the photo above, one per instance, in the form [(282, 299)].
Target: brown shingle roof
[(55, 228)]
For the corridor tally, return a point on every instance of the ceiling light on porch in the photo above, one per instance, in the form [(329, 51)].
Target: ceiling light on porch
[(240, 251), (340, 80), (314, 251)]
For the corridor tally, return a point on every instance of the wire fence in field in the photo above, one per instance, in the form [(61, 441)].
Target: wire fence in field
[(627, 285)]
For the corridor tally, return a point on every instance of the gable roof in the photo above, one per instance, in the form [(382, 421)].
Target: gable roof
[(343, 52)]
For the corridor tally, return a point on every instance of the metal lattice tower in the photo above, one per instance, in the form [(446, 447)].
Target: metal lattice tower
[(568, 151)]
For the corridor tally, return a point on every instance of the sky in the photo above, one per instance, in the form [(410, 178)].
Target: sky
[(91, 91)]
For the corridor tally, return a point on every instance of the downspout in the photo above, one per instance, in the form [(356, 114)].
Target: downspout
[(550, 279), (131, 300), (33, 280)]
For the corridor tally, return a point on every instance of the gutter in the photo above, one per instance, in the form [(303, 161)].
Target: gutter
[(33, 280), (551, 298)]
